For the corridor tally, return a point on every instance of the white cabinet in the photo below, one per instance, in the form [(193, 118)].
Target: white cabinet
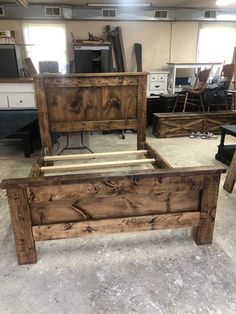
[(157, 83), (17, 96), (3, 101)]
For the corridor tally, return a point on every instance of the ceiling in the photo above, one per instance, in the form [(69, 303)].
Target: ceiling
[(156, 3)]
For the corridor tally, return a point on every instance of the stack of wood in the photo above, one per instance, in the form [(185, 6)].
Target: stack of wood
[(116, 39)]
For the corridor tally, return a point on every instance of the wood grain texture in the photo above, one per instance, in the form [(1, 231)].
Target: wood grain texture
[(98, 165), (93, 125), (159, 174), (182, 124), (129, 224), (231, 175), (42, 113), (21, 225), (160, 161), (94, 155), (142, 104), (114, 198), (203, 234), (68, 103)]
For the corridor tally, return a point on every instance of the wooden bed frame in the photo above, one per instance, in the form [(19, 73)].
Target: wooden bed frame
[(70, 205)]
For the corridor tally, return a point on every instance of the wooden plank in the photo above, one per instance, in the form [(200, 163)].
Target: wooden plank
[(158, 174), (99, 165), (94, 155), (35, 170), (129, 224), (160, 161), (92, 81), (113, 205), (142, 105), (85, 75), (203, 234), (231, 175), (93, 125), (114, 186), (42, 113), (21, 225)]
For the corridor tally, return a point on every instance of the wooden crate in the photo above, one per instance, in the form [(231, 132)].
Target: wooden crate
[(182, 124)]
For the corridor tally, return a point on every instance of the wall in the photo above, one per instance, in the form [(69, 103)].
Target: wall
[(162, 41)]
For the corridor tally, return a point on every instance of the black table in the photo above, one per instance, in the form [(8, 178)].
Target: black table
[(20, 124), (225, 152)]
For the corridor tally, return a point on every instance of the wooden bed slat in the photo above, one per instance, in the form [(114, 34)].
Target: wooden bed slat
[(97, 165), (128, 224), (88, 156)]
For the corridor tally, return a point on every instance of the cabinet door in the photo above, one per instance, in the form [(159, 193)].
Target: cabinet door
[(3, 101), (21, 100), (83, 61)]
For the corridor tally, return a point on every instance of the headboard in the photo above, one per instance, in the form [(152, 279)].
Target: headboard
[(91, 102)]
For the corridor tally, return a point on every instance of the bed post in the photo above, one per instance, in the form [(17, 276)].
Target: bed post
[(203, 234), (142, 104), (21, 224), (43, 114)]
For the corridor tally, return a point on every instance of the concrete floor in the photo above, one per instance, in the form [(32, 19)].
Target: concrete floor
[(147, 272)]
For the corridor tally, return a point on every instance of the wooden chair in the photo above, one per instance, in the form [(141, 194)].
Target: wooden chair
[(227, 73), (193, 97)]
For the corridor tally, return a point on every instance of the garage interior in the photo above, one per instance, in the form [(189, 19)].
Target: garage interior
[(152, 85)]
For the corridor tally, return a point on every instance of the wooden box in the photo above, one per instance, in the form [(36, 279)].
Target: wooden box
[(182, 124)]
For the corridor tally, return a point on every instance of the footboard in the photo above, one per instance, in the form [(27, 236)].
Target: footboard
[(66, 206)]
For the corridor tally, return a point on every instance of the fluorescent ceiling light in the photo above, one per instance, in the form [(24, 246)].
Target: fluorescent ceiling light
[(222, 3), (131, 4), (22, 3), (226, 17)]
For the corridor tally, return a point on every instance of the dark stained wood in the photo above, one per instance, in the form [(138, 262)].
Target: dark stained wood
[(114, 186), (75, 75), (93, 125), (128, 201), (142, 98), (42, 114), (129, 224), (203, 234), (95, 177), (21, 224), (85, 102), (182, 124), (35, 171), (160, 161)]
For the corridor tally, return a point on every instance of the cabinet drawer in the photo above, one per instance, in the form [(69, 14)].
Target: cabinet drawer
[(158, 77), (21, 100), (155, 86), (3, 101)]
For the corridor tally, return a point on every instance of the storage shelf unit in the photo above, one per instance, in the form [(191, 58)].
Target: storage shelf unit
[(157, 83), (17, 96), (92, 59)]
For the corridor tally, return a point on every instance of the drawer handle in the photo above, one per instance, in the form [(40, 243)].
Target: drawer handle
[(21, 101), (157, 86)]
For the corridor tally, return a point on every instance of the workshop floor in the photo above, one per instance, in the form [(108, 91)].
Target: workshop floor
[(147, 272)]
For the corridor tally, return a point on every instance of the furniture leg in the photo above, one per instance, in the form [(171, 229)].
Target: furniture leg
[(21, 224), (185, 101), (26, 143), (203, 234), (201, 101), (176, 102), (231, 175)]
